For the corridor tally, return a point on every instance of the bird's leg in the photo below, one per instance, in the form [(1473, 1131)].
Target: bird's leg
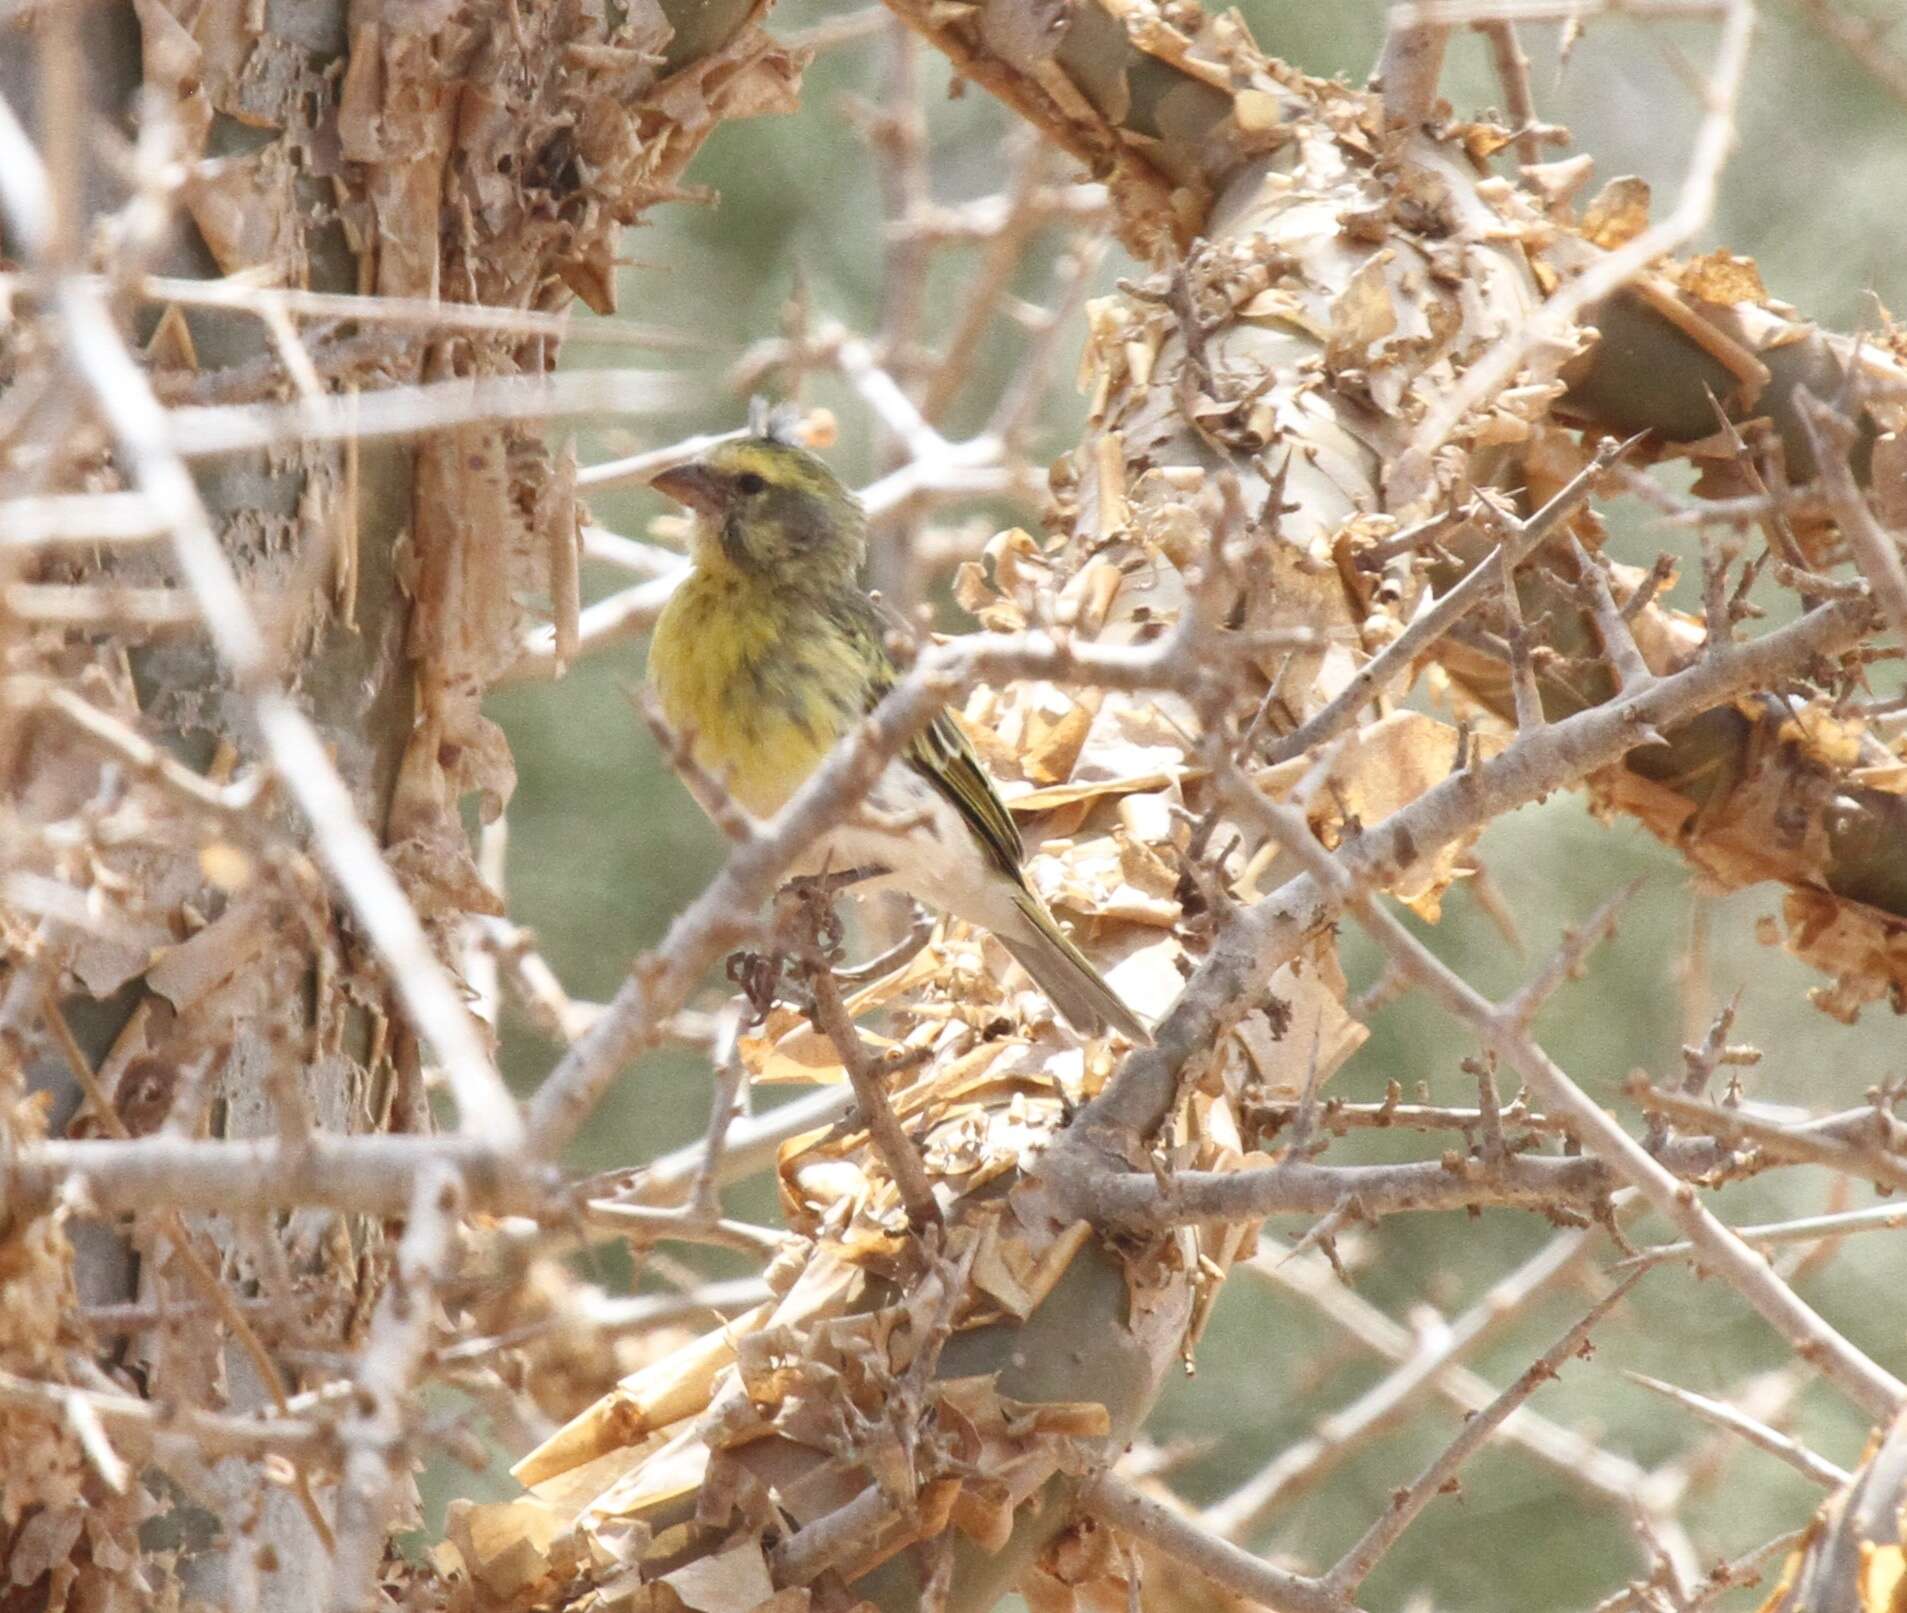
[(805, 913), (755, 975)]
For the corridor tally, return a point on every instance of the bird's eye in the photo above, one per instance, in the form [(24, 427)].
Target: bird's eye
[(749, 482)]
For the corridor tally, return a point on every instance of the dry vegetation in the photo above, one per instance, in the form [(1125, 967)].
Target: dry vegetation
[(1323, 592)]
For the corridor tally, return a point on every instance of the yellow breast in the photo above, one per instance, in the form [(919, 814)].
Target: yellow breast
[(762, 686)]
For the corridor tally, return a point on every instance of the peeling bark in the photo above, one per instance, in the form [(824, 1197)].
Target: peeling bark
[(1255, 412), (422, 150)]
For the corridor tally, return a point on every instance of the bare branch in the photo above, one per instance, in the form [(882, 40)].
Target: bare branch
[(1757, 1433), (1130, 1510), (1807, 1333), (1384, 668), (1803, 1229), (1875, 549), (376, 1452), (1259, 939), (1355, 1565), (154, 1425), (890, 1139), (370, 1175), (1381, 1406)]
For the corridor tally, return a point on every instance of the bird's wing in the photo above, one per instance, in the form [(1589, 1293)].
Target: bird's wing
[(944, 756), (940, 752)]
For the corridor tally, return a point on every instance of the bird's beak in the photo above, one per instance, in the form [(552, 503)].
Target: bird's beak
[(692, 485)]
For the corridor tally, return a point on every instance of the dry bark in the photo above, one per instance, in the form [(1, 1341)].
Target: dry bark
[(1256, 416), (915, 1407), (400, 150)]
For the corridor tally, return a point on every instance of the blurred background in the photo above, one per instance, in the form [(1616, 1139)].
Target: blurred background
[(604, 846)]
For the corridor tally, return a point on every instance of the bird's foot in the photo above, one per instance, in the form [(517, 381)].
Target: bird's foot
[(757, 976)]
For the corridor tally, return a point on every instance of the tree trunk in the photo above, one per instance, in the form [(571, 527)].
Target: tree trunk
[(422, 152)]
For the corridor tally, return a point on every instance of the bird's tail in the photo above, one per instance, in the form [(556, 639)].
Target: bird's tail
[(1060, 970)]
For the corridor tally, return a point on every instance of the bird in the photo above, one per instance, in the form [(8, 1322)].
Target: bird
[(771, 650)]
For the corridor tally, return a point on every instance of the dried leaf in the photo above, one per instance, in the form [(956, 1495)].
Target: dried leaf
[(666, 1391), (1053, 743), (1619, 213), (1832, 741), (731, 1581), (1723, 279), (1387, 766), (787, 1048), (505, 1546), (1362, 315), (186, 973)]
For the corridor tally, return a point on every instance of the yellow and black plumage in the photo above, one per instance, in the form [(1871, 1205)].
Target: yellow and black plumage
[(770, 651)]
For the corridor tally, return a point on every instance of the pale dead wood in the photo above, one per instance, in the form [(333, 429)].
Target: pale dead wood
[(375, 1433), (360, 1414), (1809, 1334), (1355, 1565), (146, 439), (1757, 1433), (1141, 1516)]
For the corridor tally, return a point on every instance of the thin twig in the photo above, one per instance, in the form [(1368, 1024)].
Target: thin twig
[(1835, 1141), (643, 1223), (1875, 549), (1130, 1510), (156, 1422), (1377, 674), (891, 1142), (1600, 1472), (1356, 1564), (215, 430), (1566, 963), (1864, 39), (1388, 1401), (1815, 1468), (1524, 688), (1513, 73), (375, 1434), (1802, 1229), (1618, 643)]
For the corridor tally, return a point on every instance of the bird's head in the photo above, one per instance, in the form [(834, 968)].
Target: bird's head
[(768, 508)]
